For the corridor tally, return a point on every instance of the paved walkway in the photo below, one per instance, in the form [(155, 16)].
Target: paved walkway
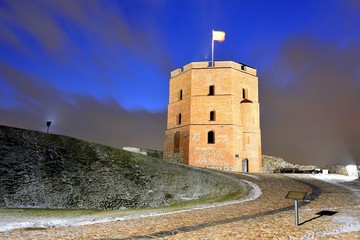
[(332, 213)]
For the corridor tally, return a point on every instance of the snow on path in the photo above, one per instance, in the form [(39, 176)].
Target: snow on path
[(339, 180), (349, 222), (249, 175), (8, 223)]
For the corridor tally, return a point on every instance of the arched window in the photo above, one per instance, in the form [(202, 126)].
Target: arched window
[(179, 119), (180, 94), (212, 116), (211, 137), (177, 142), (211, 90)]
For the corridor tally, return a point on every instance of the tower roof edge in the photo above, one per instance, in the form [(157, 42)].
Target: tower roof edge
[(219, 64)]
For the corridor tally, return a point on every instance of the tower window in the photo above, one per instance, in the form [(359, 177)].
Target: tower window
[(245, 96), (180, 94), (212, 116), (211, 90), (244, 93), (211, 137), (179, 119)]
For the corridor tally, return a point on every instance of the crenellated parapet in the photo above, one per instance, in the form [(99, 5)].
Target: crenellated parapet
[(222, 64)]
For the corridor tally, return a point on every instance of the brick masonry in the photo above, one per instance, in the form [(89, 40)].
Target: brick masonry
[(221, 101)]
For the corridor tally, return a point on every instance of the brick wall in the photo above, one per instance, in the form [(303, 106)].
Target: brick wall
[(235, 121)]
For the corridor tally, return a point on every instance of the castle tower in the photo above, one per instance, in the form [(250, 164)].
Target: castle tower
[(213, 117)]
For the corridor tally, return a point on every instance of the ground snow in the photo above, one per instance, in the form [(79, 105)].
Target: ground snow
[(349, 223), (339, 180), (333, 177), (8, 223), (249, 175)]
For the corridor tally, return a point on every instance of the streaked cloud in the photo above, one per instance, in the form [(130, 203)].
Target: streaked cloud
[(84, 117)]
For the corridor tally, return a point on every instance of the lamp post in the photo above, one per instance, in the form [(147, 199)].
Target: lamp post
[(48, 123)]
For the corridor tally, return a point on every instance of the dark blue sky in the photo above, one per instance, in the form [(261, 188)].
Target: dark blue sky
[(100, 69)]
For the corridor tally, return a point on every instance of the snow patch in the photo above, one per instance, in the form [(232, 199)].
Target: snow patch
[(339, 180), (348, 224), (10, 224), (333, 177), (249, 175), (348, 221), (352, 170)]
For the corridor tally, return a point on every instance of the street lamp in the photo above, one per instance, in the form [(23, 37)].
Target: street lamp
[(48, 123)]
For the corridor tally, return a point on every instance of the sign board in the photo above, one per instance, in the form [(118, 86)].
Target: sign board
[(296, 195)]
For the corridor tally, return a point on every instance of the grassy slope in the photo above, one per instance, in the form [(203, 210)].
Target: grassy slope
[(51, 171)]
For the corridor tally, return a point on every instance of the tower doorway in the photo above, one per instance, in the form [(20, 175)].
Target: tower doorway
[(245, 165)]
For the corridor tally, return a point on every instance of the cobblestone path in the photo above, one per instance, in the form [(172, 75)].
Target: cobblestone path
[(333, 212)]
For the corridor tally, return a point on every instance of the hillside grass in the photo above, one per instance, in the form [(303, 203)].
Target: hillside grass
[(49, 171)]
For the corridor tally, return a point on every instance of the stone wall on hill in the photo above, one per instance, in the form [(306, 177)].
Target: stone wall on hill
[(145, 151), (278, 165)]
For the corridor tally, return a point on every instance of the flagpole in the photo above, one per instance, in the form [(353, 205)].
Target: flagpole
[(212, 48)]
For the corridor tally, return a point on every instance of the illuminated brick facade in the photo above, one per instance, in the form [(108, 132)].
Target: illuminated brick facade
[(213, 117)]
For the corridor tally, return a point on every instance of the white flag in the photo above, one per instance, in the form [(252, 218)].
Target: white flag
[(218, 36)]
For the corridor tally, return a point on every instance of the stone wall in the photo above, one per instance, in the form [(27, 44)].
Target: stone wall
[(278, 165), (274, 164), (145, 151)]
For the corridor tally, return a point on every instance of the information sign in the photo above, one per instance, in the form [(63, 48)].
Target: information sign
[(296, 195)]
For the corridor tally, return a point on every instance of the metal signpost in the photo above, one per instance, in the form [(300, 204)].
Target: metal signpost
[(296, 196)]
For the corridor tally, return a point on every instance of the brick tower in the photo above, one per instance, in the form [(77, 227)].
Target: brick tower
[(213, 117)]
